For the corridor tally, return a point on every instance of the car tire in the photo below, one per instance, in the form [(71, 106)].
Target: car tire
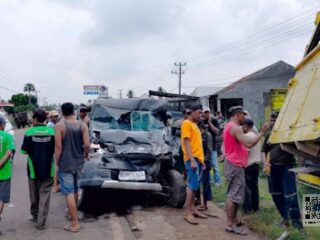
[(174, 181), (87, 200)]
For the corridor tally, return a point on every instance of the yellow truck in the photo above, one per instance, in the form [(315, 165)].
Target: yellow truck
[(273, 101), (297, 128)]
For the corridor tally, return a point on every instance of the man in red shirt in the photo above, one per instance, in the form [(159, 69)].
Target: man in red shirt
[(236, 145)]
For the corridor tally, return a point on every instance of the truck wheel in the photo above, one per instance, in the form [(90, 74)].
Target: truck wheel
[(174, 188)]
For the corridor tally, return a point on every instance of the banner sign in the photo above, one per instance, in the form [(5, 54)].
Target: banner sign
[(95, 90)]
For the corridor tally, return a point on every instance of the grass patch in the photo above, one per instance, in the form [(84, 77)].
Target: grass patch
[(266, 220)]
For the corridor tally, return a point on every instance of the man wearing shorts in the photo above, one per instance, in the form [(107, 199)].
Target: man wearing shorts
[(71, 149), (236, 145), (6, 148), (193, 157)]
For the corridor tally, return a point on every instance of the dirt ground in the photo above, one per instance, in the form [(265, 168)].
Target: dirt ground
[(167, 223), (156, 223)]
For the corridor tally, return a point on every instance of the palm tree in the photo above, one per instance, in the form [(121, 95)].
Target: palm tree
[(29, 87)]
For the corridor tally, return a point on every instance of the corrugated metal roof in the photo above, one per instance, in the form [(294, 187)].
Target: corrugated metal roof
[(205, 91), (276, 70)]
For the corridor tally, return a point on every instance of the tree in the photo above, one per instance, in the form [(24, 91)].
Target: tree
[(130, 94), (24, 108), (34, 100), (19, 99), (29, 88), (21, 102)]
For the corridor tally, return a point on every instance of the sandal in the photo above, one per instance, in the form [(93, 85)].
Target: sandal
[(41, 226), (240, 224), (236, 230), (199, 215), (68, 228), (190, 220), (202, 208)]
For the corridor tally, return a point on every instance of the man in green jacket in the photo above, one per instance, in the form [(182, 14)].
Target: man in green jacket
[(6, 147), (38, 144)]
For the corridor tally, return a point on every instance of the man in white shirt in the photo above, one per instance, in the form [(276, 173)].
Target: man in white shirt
[(251, 202)]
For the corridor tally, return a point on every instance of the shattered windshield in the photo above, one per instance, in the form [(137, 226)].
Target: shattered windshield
[(111, 118)]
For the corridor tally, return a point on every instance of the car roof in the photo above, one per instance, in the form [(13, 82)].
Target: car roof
[(144, 104)]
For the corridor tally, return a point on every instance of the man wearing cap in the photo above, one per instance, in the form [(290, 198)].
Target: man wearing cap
[(213, 127), (53, 118), (236, 144), (251, 201), (38, 144), (6, 148), (193, 157)]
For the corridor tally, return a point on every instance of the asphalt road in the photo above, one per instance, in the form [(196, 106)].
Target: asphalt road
[(150, 223)]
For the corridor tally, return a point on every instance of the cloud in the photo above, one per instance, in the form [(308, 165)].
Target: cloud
[(132, 44)]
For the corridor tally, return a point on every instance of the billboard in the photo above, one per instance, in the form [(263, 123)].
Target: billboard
[(95, 90)]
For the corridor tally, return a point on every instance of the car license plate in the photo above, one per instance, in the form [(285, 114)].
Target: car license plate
[(132, 176)]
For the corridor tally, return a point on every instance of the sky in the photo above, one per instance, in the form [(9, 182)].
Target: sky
[(62, 45)]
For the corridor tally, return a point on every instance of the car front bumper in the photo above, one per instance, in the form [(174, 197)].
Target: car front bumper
[(132, 186)]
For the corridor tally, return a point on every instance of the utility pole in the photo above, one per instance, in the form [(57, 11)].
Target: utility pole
[(179, 72), (120, 93)]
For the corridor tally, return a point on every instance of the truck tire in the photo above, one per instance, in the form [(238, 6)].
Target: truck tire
[(174, 187)]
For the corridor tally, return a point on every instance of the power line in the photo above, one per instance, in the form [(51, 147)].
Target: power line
[(233, 55), (9, 89), (270, 36), (256, 45), (6, 81), (268, 31), (269, 44), (9, 76)]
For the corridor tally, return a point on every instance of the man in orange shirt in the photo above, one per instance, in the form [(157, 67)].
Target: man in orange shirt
[(193, 157)]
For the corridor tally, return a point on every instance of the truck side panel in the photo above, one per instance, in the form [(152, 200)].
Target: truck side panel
[(299, 119)]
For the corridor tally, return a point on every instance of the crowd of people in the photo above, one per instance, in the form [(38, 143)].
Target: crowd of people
[(56, 149), (244, 148)]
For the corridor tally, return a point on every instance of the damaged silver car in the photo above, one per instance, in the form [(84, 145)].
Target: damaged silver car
[(131, 151)]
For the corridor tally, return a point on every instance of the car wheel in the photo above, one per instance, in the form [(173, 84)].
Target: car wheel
[(87, 200), (174, 188)]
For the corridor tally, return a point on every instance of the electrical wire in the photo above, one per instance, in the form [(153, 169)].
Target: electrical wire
[(288, 23)]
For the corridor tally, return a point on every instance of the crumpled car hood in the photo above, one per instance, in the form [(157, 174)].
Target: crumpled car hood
[(135, 142)]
